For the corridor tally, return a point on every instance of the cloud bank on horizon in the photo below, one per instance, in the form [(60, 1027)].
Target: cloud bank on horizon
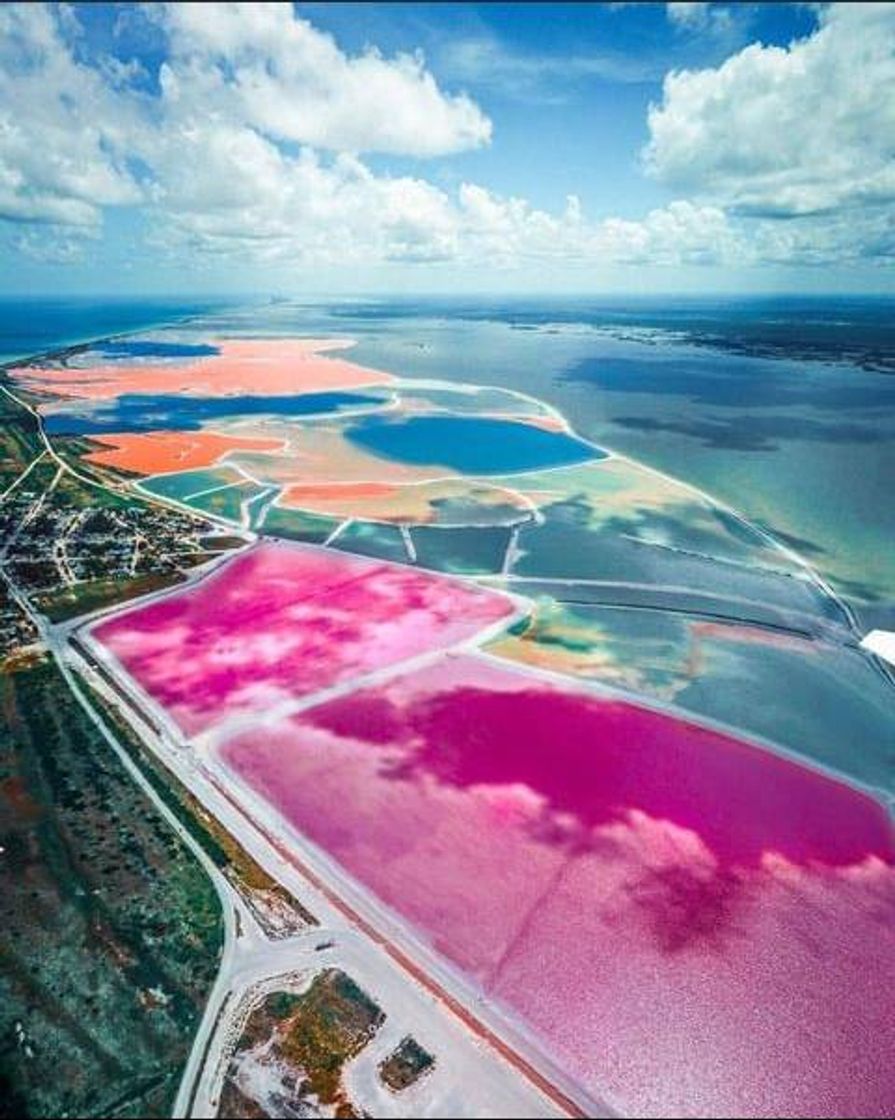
[(247, 133)]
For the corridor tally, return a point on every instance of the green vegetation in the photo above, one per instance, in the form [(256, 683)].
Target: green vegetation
[(405, 1065), (82, 598), (20, 441), (257, 887), (112, 931), (314, 1034), (82, 495)]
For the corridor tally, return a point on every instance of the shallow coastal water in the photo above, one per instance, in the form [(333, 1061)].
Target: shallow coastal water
[(784, 409)]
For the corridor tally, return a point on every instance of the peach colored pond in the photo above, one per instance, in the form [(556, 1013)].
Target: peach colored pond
[(281, 621), (691, 925), (257, 366)]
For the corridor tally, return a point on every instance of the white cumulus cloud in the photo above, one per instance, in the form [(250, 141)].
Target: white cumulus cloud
[(688, 13), (276, 72), (680, 233), (249, 143), (63, 131), (787, 131)]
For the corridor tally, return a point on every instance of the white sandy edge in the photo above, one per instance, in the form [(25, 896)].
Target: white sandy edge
[(882, 643)]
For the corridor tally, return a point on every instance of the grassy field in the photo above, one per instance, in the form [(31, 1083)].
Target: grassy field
[(69, 602), (312, 1036), (112, 931), (20, 441), (405, 1065), (261, 891)]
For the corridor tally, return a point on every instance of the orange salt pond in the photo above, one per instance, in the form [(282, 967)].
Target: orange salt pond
[(439, 502), (261, 367), (348, 499), (163, 452)]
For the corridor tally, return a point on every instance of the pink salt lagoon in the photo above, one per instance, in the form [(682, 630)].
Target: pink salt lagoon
[(281, 621), (689, 924), (686, 923)]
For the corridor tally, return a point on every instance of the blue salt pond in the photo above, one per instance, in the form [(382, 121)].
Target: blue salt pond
[(139, 348), (472, 445), (145, 412)]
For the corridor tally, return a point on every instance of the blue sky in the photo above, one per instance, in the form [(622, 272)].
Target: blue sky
[(573, 80), (447, 147)]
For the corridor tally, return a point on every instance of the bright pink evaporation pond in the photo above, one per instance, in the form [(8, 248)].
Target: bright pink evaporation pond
[(692, 925), (282, 621)]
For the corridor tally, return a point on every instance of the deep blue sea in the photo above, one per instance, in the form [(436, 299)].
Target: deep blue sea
[(34, 325)]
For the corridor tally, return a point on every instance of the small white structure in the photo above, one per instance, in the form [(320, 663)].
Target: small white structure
[(882, 643)]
